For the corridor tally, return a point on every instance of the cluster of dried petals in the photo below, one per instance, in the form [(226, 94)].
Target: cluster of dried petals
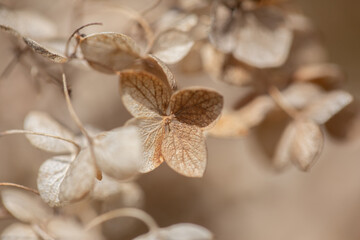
[(171, 124), (39, 221), (72, 175), (254, 33)]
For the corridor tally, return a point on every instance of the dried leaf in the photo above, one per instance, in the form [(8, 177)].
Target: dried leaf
[(50, 177), (79, 179), (184, 149), (119, 152), (109, 52), (301, 94), (25, 207), (196, 106), (180, 231), (143, 94), (39, 49), (176, 19), (307, 144), (18, 231), (152, 132), (327, 106), (41, 122), (171, 46)]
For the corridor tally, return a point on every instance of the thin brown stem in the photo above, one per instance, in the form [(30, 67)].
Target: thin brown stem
[(282, 103), (125, 212), (19, 186), (18, 131), (77, 121)]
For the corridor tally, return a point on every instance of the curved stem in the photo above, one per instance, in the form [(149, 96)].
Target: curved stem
[(74, 33), (76, 119), (153, 6), (19, 186), (39, 231), (125, 212), (18, 131), (281, 102)]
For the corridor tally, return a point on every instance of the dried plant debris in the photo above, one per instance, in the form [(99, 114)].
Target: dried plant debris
[(174, 136), (110, 53), (180, 231), (255, 34), (67, 178)]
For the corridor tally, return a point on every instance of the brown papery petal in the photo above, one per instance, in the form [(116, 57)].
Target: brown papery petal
[(43, 123), (196, 106), (18, 231), (39, 49), (50, 177), (26, 207), (143, 94), (327, 106), (79, 179), (119, 152), (109, 52), (171, 46), (155, 66), (184, 149), (180, 231), (152, 132), (307, 144)]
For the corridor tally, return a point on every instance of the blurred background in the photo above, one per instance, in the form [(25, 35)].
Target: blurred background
[(239, 196)]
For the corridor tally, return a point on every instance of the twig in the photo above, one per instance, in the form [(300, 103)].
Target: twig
[(19, 186)]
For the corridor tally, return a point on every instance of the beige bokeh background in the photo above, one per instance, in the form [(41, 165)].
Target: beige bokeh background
[(239, 197)]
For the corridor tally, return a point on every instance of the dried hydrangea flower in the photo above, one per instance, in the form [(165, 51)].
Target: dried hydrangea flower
[(255, 34), (39, 221), (70, 177), (174, 136)]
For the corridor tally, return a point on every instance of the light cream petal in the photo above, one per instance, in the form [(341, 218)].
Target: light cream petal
[(119, 152), (184, 149), (109, 52), (26, 207), (41, 122), (79, 179), (282, 155), (264, 40), (18, 231), (327, 106), (143, 94), (172, 45), (51, 174), (180, 231), (152, 133), (196, 106), (307, 144)]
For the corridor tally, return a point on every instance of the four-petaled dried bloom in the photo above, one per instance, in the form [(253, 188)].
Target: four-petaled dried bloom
[(171, 124)]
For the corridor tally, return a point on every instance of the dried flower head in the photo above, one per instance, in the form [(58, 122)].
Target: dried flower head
[(174, 135)]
